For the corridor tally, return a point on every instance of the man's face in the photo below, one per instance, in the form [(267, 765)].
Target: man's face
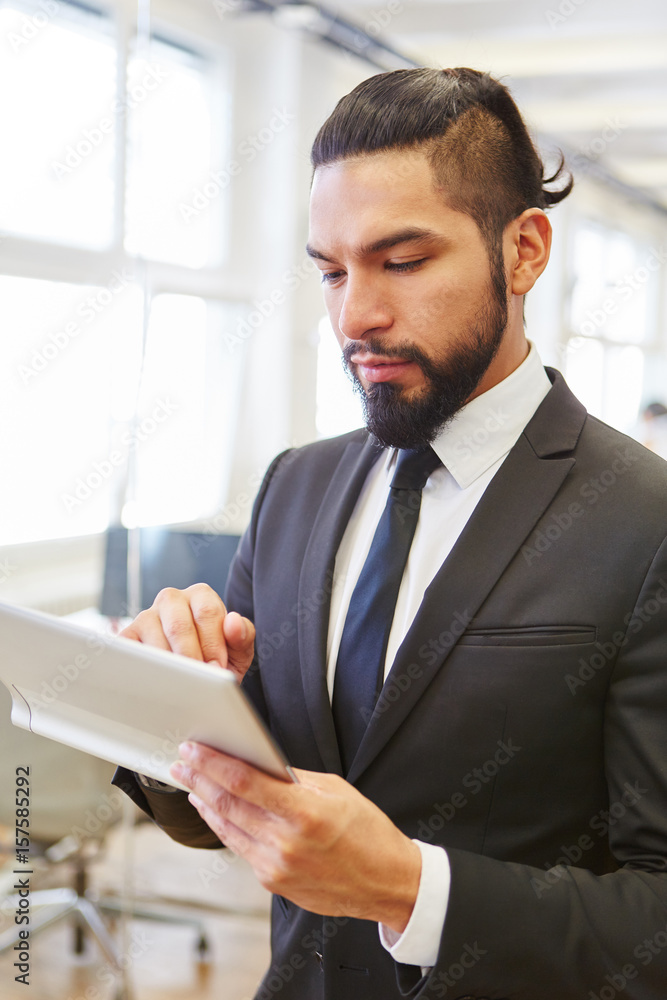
[(408, 287)]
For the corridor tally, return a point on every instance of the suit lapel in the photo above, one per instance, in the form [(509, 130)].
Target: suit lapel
[(512, 504), (315, 587)]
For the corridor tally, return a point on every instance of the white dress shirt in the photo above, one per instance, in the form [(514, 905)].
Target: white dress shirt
[(472, 448)]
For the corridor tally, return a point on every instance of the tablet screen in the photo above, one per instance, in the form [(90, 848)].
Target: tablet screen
[(125, 701)]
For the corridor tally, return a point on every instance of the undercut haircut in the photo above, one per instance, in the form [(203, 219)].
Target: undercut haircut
[(477, 143)]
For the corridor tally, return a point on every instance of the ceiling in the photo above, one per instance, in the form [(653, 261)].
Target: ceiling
[(592, 74)]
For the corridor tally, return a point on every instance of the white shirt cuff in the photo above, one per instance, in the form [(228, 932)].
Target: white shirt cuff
[(419, 943)]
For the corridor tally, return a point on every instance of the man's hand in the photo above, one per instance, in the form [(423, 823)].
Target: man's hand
[(195, 623), (320, 843)]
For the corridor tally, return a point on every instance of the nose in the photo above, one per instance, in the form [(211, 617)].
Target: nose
[(364, 310)]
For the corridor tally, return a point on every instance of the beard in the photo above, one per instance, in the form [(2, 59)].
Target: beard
[(397, 420)]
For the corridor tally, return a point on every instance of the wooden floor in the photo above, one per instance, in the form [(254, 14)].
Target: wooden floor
[(161, 959)]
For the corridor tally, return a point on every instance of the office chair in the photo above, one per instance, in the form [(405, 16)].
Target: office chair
[(71, 809)]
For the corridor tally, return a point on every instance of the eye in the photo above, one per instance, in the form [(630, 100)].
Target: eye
[(404, 267), (331, 277)]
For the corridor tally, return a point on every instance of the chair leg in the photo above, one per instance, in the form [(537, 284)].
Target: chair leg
[(51, 905), (80, 886), (99, 932)]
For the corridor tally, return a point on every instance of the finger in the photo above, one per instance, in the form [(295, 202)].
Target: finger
[(241, 780), (178, 625), (236, 840), (146, 628), (239, 635), (208, 613), (239, 631), (253, 820)]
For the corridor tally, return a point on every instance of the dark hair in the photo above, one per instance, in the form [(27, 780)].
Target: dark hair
[(477, 142)]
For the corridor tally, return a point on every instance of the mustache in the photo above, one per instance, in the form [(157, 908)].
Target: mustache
[(402, 352)]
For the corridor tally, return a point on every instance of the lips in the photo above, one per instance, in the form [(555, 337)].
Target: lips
[(380, 369)]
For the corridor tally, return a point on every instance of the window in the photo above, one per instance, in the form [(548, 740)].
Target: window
[(338, 407), (99, 178), (612, 319), (70, 363), (186, 413), (59, 137), (169, 157)]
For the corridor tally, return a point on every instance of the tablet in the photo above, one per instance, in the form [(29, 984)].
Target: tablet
[(124, 701)]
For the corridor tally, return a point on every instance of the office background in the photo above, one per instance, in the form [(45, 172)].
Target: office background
[(162, 332)]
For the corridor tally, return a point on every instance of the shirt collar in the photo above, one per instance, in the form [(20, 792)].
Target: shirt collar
[(487, 427)]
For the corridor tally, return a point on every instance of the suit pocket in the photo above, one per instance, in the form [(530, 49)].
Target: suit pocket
[(530, 635)]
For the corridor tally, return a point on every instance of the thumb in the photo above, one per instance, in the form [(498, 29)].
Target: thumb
[(239, 636)]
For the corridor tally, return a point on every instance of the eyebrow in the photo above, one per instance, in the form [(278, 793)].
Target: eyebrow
[(410, 235)]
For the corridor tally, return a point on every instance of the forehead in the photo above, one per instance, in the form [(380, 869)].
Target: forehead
[(358, 200)]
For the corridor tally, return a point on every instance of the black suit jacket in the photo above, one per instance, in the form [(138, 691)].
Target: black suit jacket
[(523, 725)]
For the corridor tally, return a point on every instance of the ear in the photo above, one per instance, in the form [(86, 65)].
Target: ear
[(527, 245)]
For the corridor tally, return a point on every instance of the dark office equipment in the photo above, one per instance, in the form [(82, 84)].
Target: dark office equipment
[(168, 558)]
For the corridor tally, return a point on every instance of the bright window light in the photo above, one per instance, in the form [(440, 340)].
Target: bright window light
[(67, 349), (173, 204), (189, 399), (338, 407), (624, 379), (584, 369), (612, 286), (612, 309), (58, 132)]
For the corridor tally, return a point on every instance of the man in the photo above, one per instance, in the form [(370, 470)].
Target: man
[(500, 810)]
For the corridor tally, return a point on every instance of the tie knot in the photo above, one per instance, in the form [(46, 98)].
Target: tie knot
[(413, 468)]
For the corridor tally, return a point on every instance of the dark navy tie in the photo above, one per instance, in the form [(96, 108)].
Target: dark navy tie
[(363, 647)]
